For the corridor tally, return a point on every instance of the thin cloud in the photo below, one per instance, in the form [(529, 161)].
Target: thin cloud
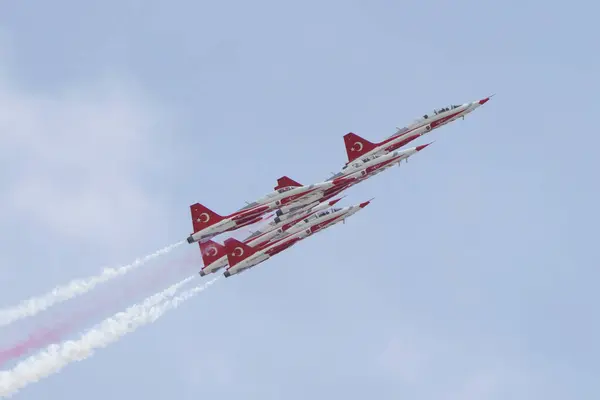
[(76, 159)]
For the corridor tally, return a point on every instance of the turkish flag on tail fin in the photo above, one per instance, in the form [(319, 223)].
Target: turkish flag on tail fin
[(237, 251), (285, 181), (356, 146), (203, 217), (211, 251)]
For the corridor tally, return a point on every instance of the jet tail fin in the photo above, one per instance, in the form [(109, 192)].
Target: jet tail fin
[(286, 181), (357, 146), (237, 251), (211, 251), (203, 217)]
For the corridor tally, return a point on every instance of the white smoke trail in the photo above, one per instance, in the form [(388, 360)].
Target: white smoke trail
[(34, 305), (55, 357)]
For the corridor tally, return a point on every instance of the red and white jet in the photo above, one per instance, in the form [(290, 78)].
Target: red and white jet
[(207, 223), (361, 171), (365, 168), (288, 195), (300, 207), (241, 256), (214, 256), (360, 148)]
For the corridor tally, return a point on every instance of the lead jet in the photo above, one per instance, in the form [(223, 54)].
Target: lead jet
[(241, 256), (288, 195), (214, 256), (360, 148)]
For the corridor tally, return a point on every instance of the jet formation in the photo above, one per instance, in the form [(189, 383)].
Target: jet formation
[(298, 211)]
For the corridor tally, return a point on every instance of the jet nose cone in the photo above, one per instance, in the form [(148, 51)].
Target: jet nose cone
[(421, 147), (366, 203), (483, 101), (333, 202)]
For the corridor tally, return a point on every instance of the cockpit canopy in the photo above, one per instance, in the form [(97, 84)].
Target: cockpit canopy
[(249, 205), (332, 177), (356, 163), (281, 190), (326, 212), (442, 110), (268, 196), (254, 234)]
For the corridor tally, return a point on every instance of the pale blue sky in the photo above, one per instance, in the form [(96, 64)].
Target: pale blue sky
[(471, 275)]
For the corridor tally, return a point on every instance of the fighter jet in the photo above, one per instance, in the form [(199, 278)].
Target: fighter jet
[(279, 226), (241, 256), (214, 256), (366, 168), (358, 147), (299, 212), (208, 224), (300, 207), (288, 195)]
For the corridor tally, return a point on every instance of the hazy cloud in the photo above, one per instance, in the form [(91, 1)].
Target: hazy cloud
[(74, 161)]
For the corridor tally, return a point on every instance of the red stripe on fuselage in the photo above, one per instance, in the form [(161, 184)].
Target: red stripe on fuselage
[(249, 213), (294, 197), (317, 227), (283, 246)]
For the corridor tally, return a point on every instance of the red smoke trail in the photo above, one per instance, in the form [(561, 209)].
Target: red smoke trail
[(35, 340), (46, 336)]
